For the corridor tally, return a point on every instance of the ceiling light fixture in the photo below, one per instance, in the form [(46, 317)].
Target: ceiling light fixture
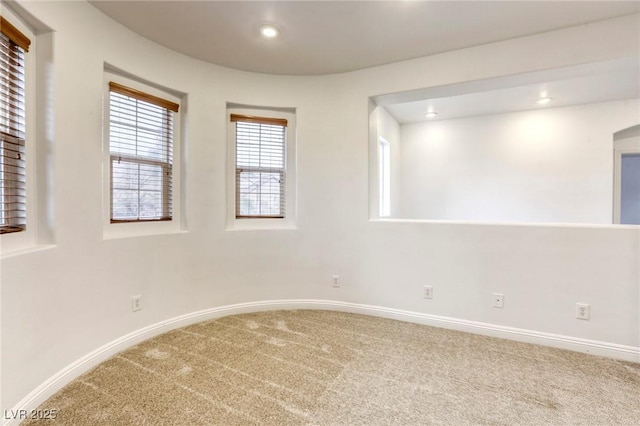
[(543, 101), (431, 114), (269, 31)]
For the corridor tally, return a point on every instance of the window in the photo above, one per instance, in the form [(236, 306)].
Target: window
[(141, 155), (384, 168), (13, 46), (260, 181)]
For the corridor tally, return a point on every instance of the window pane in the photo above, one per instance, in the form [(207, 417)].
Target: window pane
[(249, 204), (260, 194), (139, 190), (125, 175), (125, 204), (260, 145), (150, 204), (150, 177), (140, 129)]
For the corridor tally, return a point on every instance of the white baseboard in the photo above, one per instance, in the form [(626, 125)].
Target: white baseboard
[(84, 364)]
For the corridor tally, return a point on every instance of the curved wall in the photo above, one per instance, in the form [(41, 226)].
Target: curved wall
[(61, 302)]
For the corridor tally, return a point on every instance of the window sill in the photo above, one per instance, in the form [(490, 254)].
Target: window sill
[(261, 225), (115, 231)]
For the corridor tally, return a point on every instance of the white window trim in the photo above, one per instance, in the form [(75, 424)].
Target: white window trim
[(134, 229), (26, 240), (289, 220)]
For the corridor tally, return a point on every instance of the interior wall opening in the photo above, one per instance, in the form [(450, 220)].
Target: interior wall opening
[(528, 148)]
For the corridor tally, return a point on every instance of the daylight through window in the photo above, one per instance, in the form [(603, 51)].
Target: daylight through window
[(141, 152), (260, 166)]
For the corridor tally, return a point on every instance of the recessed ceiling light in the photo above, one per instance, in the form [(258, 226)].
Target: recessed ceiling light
[(543, 101), (269, 31), (431, 114)]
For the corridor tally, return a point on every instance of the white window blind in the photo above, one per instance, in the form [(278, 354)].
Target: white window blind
[(13, 46), (141, 153), (260, 166)]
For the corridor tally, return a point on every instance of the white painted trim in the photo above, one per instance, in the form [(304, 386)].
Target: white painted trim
[(86, 363)]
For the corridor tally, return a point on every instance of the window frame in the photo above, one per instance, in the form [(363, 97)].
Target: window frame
[(115, 228), (288, 219)]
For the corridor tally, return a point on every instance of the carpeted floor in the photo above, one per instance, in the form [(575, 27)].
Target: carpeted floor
[(330, 368)]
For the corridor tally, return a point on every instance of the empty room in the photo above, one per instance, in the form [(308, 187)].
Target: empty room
[(320, 212)]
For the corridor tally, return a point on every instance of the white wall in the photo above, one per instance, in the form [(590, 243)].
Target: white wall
[(62, 302), (553, 165)]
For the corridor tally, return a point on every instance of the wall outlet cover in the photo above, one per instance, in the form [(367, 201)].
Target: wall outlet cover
[(583, 311), (428, 292), (136, 303), (498, 300)]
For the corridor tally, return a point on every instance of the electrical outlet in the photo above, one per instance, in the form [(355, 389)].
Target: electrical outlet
[(498, 300), (136, 303), (335, 280), (428, 292), (583, 311)]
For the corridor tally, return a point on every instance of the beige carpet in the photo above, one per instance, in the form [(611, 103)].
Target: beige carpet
[(329, 368)]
